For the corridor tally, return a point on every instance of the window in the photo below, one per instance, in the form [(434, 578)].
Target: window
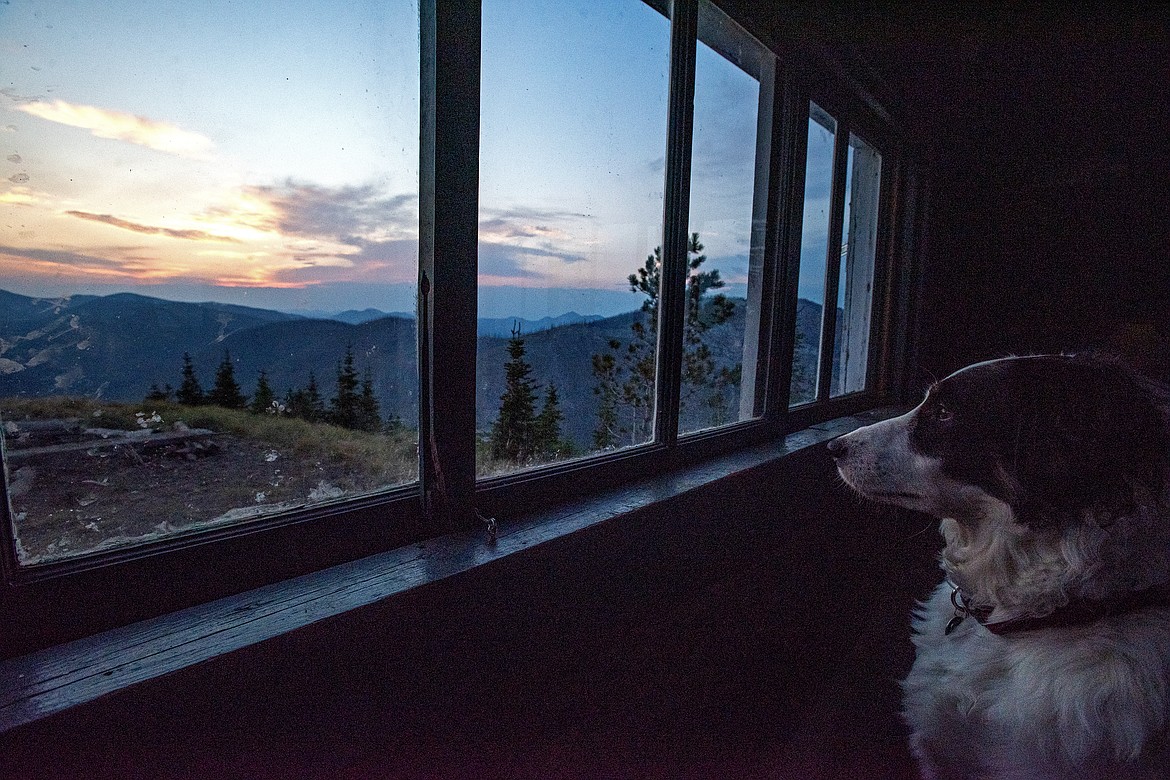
[(452, 258), (208, 309), (573, 134), (734, 81), (858, 260), (842, 188)]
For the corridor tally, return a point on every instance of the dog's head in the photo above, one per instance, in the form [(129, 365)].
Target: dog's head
[(1057, 439)]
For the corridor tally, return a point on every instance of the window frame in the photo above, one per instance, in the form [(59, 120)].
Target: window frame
[(853, 118), (50, 604)]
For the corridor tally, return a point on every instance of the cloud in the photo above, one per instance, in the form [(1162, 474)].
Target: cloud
[(121, 126), (190, 235), (348, 214), (376, 262), (64, 264), (530, 243), (21, 196)]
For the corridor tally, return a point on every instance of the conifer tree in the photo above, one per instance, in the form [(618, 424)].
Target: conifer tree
[(625, 376), (605, 369), (369, 413), (513, 434), (306, 403), (263, 397), (190, 391), (346, 405), (156, 393), (226, 392), (394, 424), (314, 402), (547, 429)]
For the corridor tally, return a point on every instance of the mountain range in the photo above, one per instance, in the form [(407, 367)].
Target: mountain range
[(117, 346), (486, 326)]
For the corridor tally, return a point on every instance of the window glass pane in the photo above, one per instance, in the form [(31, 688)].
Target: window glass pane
[(858, 250), (814, 247), (209, 272), (728, 209), (573, 137)]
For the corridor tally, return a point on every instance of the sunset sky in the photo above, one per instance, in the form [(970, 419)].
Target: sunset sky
[(268, 155)]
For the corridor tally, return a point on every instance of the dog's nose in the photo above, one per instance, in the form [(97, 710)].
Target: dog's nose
[(839, 448)]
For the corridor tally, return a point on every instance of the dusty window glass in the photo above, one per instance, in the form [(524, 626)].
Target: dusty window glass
[(721, 327), (858, 255), (814, 248), (573, 139), (207, 275)]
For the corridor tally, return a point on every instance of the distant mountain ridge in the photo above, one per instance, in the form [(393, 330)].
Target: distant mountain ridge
[(117, 346), (487, 326)]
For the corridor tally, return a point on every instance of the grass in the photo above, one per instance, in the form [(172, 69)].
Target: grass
[(389, 453)]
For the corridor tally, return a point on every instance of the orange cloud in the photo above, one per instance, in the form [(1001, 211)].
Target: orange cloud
[(121, 126), (191, 235)]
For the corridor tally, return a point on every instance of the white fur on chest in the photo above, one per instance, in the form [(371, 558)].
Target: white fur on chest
[(1083, 702)]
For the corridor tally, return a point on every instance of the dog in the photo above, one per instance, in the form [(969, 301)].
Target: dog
[(1045, 652)]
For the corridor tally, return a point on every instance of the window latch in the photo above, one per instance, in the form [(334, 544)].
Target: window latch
[(490, 525)]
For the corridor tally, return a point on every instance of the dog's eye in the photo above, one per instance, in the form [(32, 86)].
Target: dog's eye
[(938, 413)]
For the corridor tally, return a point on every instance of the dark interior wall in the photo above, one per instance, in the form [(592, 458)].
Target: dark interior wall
[(1046, 135)]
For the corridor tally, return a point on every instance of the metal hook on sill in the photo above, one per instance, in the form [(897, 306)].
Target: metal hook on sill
[(490, 525)]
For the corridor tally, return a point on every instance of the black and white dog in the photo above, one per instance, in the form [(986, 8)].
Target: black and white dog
[(1045, 653)]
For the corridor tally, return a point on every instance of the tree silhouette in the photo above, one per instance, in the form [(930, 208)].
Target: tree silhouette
[(306, 403), (263, 397), (513, 435), (369, 416), (190, 391), (226, 392), (625, 375), (156, 393), (345, 407), (605, 369), (547, 440)]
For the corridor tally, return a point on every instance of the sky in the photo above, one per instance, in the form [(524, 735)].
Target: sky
[(268, 155)]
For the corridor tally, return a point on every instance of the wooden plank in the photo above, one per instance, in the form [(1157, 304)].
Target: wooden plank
[(146, 442), (49, 681)]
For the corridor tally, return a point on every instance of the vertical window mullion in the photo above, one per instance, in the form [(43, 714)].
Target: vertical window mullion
[(761, 261), (684, 18), (448, 258), (774, 163), (833, 260), (792, 128)]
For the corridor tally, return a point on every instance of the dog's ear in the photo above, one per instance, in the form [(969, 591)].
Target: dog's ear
[(1089, 438)]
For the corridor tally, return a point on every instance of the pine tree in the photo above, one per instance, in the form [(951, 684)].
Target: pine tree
[(547, 430), (306, 403), (263, 397), (346, 405), (369, 413), (190, 391), (605, 435), (394, 424), (628, 384), (155, 393), (513, 434), (226, 392)]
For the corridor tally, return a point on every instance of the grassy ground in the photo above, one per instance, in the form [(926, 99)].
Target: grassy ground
[(380, 454), (88, 498)]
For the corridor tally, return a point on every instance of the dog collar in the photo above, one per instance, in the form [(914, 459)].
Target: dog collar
[(1075, 613)]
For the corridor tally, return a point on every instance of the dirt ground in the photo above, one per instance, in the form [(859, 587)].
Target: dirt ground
[(66, 503)]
